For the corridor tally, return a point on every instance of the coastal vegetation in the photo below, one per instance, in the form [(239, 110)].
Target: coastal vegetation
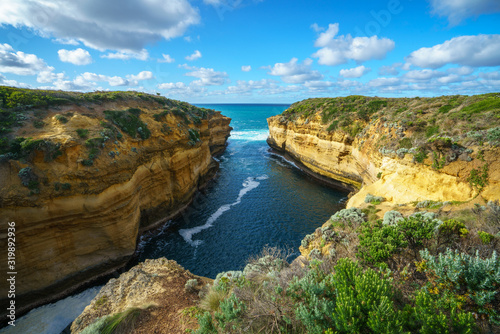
[(413, 274)]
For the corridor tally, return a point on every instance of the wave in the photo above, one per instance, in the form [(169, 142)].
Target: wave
[(250, 135), (249, 184), (280, 160), (55, 317)]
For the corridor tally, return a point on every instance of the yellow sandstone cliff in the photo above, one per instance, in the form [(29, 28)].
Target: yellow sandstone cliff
[(360, 164), (81, 213)]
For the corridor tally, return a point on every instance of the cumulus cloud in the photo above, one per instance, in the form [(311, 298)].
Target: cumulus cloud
[(316, 27), (130, 80), (112, 24), (207, 76), (5, 82), (355, 72), (76, 57), (475, 51), (336, 50), (194, 56), (20, 63), (456, 11), (126, 55), (166, 59), (246, 68), (422, 75), (180, 88), (295, 73)]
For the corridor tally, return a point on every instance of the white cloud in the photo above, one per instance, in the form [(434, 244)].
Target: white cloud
[(87, 79), (475, 51), (316, 27), (295, 73), (49, 76), (126, 55), (381, 82), (180, 88), (246, 68), (76, 57), (456, 11), (20, 63), (166, 59), (336, 50), (111, 24), (422, 75), (390, 69), (207, 76), (144, 75), (5, 82), (66, 41), (194, 56), (355, 72)]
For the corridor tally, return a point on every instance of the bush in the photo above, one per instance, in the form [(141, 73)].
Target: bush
[(405, 143), (420, 156), (129, 122), (348, 217), (374, 199), (363, 301), (61, 119), (82, 133), (378, 242), (468, 276), (191, 285), (485, 237), (392, 217), (478, 178)]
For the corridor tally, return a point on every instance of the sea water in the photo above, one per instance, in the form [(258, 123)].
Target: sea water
[(257, 200)]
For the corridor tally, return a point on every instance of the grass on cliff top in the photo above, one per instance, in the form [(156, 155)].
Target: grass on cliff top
[(450, 115), (19, 106)]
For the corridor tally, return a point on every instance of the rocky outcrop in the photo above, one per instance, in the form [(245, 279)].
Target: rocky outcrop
[(82, 217), (156, 288), (361, 164)]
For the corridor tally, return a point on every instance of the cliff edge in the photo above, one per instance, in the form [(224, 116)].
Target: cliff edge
[(403, 150), (82, 174)]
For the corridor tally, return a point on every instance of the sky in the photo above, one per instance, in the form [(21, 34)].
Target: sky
[(253, 51)]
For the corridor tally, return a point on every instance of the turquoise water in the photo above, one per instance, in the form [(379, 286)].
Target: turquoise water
[(258, 199)]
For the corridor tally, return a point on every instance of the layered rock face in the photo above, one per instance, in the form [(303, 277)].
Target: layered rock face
[(360, 163), (79, 215)]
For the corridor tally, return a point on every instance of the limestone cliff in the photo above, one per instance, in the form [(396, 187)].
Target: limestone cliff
[(155, 289), (405, 150), (83, 174)]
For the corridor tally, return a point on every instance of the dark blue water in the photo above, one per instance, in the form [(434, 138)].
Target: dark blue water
[(258, 199)]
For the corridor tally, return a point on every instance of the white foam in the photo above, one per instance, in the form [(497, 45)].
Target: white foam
[(52, 318), (280, 158), (250, 135), (249, 184)]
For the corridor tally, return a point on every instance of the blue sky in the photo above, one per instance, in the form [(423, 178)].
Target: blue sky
[(253, 51)]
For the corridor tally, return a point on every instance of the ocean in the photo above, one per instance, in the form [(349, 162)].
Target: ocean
[(258, 199)]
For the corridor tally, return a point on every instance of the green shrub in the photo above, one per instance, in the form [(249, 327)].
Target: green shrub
[(61, 119), (333, 126), (431, 130), (194, 136), (82, 133), (363, 301), (445, 108), (485, 237), (405, 143), (465, 275), (375, 200), (129, 122), (493, 135), (378, 242), (38, 124), (420, 156), (450, 231), (348, 217), (478, 178), (191, 285), (438, 314)]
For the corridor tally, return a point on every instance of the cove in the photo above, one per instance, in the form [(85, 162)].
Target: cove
[(258, 199)]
